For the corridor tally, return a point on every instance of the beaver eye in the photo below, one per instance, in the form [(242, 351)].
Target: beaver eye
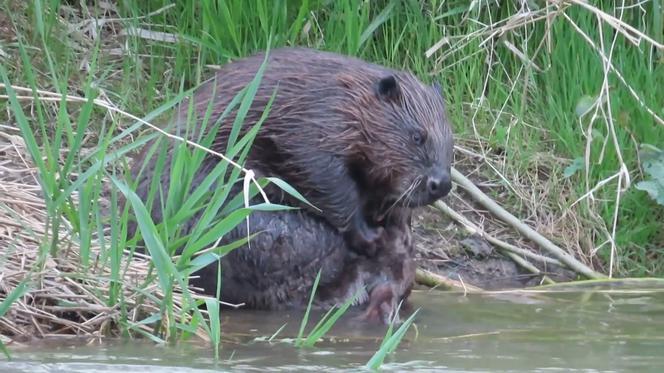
[(418, 138)]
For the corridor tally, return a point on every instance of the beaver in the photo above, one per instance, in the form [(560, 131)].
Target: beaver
[(340, 130), (276, 271)]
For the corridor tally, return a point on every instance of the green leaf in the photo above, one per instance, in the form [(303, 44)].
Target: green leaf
[(576, 165), (501, 134), (147, 321), (208, 258), (655, 190), (246, 103), (219, 230), (290, 190), (330, 318), (597, 135), (453, 11), (212, 306), (7, 303), (584, 105), (383, 16), (296, 27), (163, 264), (390, 344), (271, 207), (12, 297), (653, 166), (305, 319), (23, 124)]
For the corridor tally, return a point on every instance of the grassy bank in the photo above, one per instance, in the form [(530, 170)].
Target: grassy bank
[(516, 77)]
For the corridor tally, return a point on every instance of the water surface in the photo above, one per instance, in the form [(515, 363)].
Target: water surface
[(609, 331)]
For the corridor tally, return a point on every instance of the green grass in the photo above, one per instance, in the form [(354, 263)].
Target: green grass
[(536, 110), (48, 132), (325, 323), (526, 114), (390, 342), (6, 303)]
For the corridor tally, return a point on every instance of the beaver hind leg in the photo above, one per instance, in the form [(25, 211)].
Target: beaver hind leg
[(382, 305)]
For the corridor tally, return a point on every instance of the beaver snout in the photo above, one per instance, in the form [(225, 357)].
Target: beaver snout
[(439, 184), (434, 185)]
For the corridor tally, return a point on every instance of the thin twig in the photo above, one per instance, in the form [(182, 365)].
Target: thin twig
[(502, 245), (522, 228)]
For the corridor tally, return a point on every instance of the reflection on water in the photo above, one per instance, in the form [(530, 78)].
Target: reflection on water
[(611, 331)]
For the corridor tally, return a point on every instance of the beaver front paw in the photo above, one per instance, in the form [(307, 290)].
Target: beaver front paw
[(364, 239)]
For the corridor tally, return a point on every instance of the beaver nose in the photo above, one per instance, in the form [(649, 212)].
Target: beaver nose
[(439, 184)]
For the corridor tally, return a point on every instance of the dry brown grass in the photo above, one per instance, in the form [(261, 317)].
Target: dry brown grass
[(535, 197), (63, 299), (537, 194)]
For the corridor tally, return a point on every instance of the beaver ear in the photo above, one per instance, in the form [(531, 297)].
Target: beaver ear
[(388, 88)]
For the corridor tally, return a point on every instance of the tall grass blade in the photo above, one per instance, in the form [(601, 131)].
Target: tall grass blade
[(305, 319), (383, 16), (390, 343), (23, 124), (163, 264), (247, 100), (327, 322), (212, 306), (12, 297)]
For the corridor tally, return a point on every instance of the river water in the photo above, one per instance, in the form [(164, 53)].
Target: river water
[(612, 330)]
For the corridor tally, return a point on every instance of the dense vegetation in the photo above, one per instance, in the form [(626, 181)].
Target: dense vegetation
[(517, 75), (561, 100)]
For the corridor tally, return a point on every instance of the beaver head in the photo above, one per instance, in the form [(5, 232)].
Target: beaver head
[(408, 140)]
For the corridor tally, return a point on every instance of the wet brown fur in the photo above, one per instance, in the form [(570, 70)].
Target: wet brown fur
[(338, 131), (277, 270)]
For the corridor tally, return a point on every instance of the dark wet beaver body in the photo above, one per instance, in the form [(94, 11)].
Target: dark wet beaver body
[(277, 270), (340, 130)]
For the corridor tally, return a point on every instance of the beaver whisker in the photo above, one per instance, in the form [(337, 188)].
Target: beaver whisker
[(408, 199), (406, 195)]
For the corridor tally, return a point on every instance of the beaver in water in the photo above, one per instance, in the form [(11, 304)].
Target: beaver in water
[(340, 130), (277, 269)]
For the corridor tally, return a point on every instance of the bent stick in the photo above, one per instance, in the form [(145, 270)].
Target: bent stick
[(524, 229)]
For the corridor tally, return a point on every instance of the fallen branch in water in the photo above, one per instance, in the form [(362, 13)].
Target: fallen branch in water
[(424, 277), (522, 228), (508, 249)]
